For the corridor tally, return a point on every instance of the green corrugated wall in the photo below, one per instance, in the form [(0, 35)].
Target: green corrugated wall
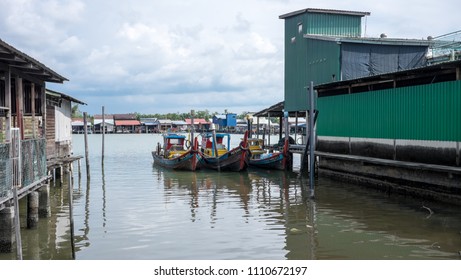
[(425, 112), (309, 60)]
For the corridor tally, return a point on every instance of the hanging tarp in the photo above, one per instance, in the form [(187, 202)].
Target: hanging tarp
[(363, 60)]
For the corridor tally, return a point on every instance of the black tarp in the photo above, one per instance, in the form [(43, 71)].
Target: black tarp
[(363, 60)]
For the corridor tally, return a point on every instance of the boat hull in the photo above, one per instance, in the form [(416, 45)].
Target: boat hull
[(276, 161), (188, 161), (236, 159)]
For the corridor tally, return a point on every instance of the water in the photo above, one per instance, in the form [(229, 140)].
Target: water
[(131, 209)]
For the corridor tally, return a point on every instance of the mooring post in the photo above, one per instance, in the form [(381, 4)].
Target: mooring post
[(32, 210), (103, 133), (44, 208), (311, 140), (71, 216), (85, 129), (7, 229), (192, 113)]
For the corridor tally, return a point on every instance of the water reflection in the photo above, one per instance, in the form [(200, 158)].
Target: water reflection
[(273, 198)]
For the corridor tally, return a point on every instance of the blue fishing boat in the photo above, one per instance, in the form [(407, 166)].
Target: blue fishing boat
[(278, 160), (217, 156), (177, 153)]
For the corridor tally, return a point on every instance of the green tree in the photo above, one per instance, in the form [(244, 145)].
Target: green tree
[(76, 112)]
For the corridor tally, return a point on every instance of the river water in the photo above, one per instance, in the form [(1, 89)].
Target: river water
[(132, 209)]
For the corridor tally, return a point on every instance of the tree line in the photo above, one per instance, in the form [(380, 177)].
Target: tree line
[(207, 115)]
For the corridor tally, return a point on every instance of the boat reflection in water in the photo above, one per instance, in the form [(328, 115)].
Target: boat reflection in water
[(270, 211), (262, 203)]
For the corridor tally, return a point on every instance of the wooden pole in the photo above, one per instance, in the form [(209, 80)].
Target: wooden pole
[(8, 105), (103, 133), (192, 113), (85, 129), (32, 210), (17, 224), (311, 140), (20, 106), (71, 215), (32, 94)]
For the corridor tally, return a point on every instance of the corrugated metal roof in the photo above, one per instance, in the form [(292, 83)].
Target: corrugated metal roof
[(369, 40), (22, 62), (64, 96), (324, 11)]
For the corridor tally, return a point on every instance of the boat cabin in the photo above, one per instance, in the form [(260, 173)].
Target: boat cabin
[(208, 146), (256, 146), (173, 145)]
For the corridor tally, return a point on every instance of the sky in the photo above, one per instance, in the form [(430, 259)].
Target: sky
[(152, 56)]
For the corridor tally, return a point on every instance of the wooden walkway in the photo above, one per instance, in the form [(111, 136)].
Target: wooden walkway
[(299, 149), (393, 163)]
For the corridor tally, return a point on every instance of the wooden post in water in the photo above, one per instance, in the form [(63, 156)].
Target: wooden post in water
[(311, 140), (103, 133), (32, 210), (7, 226), (85, 129), (16, 156), (192, 113), (44, 207), (71, 216)]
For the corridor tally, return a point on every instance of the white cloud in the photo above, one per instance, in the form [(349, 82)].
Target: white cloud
[(168, 56)]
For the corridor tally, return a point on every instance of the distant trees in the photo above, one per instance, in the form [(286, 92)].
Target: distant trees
[(179, 116), (76, 112)]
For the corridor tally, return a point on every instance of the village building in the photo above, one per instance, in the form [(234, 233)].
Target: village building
[(107, 122), (227, 122), (78, 126), (198, 124), (59, 125), (148, 124), (28, 122), (126, 123), (161, 126)]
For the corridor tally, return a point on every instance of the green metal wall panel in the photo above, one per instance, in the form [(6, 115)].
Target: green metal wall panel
[(309, 60), (425, 112), (334, 24)]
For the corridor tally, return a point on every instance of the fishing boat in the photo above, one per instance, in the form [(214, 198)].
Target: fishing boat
[(278, 160), (177, 153), (214, 154)]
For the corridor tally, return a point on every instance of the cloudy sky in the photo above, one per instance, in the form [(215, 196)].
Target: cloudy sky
[(152, 56)]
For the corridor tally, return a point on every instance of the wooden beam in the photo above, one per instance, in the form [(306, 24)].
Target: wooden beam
[(32, 97), (8, 104), (43, 98), (20, 105)]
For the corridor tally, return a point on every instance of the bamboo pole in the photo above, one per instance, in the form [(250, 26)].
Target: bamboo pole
[(71, 215), (85, 129), (103, 133)]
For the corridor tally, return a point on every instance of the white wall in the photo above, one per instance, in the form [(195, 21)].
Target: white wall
[(63, 122)]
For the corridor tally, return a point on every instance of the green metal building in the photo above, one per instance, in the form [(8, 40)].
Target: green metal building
[(390, 114), (307, 60)]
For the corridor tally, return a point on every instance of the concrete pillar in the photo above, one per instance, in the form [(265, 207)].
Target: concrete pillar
[(7, 233), (44, 208), (32, 210)]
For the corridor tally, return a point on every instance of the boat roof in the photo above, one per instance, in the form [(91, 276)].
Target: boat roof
[(174, 136), (218, 135)]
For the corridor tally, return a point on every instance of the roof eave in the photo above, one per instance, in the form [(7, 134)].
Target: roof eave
[(324, 11)]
